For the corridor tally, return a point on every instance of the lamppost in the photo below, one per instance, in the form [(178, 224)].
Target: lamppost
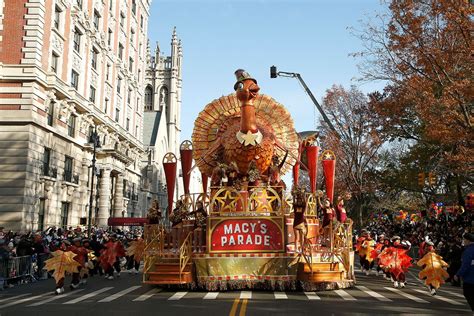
[(274, 73), (94, 139)]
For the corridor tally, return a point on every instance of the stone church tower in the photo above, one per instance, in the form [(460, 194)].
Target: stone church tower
[(162, 111)]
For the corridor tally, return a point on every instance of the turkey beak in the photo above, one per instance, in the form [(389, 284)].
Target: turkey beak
[(253, 89)]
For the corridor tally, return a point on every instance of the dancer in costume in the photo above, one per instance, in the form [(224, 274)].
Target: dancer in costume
[(365, 254), (383, 242), (433, 268), (299, 220), (110, 257), (396, 260), (328, 213), (340, 209), (135, 252), (81, 257), (200, 218), (177, 216), (61, 262), (360, 240)]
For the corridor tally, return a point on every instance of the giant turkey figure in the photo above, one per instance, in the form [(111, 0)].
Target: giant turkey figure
[(244, 127)]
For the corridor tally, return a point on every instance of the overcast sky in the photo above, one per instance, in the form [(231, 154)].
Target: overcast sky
[(305, 36)]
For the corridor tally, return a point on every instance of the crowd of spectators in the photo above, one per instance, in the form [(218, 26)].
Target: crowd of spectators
[(36, 247)]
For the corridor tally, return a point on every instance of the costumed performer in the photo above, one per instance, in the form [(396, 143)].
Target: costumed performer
[(200, 218), (299, 220), (365, 252), (396, 260), (433, 268)]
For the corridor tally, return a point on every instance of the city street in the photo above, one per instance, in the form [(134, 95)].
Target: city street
[(126, 296)]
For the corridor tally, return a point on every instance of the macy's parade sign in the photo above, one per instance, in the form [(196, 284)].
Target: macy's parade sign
[(246, 234)]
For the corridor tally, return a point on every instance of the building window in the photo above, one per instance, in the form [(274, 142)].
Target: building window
[(141, 21), (127, 124), (109, 39), (138, 104), (129, 96), (136, 131), (120, 52), (111, 5), (96, 19), (119, 85), (134, 6), (54, 62), (46, 160), (41, 211), (57, 17), (106, 105), (132, 36), (95, 54), (79, 3), (107, 73), (50, 114), (71, 125), (77, 40), (75, 79), (67, 169), (92, 94), (117, 114), (122, 19), (148, 98), (130, 64), (64, 214)]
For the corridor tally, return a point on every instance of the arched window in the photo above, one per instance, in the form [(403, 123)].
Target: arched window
[(148, 98), (163, 97)]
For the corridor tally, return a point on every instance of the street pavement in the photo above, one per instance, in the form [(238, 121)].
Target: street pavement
[(127, 296)]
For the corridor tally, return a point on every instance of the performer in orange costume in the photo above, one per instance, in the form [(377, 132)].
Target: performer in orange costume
[(396, 260), (81, 257)]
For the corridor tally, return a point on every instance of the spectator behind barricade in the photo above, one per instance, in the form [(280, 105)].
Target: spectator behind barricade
[(4, 252), (24, 247)]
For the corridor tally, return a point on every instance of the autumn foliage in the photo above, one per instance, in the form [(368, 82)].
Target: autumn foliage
[(433, 272), (136, 249), (62, 262)]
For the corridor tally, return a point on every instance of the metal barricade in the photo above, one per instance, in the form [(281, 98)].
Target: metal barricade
[(17, 269)]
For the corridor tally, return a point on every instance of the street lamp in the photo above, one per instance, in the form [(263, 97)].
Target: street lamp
[(94, 139), (274, 73)]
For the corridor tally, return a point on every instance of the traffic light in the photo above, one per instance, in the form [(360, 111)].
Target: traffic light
[(431, 179), (273, 72), (421, 179)]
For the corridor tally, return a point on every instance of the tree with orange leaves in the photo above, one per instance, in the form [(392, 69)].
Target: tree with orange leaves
[(358, 145), (423, 50)]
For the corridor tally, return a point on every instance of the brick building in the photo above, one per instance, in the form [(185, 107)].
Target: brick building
[(68, 67)]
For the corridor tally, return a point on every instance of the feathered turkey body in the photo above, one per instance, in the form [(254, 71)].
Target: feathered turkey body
[(215, 141)]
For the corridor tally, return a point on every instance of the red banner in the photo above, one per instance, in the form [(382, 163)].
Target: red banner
[(329, 168), (186, 154), (127, 221), (312, 157), (169, 166), (249, 234)]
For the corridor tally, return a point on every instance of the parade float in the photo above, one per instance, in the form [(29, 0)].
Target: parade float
[(242, 144)]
